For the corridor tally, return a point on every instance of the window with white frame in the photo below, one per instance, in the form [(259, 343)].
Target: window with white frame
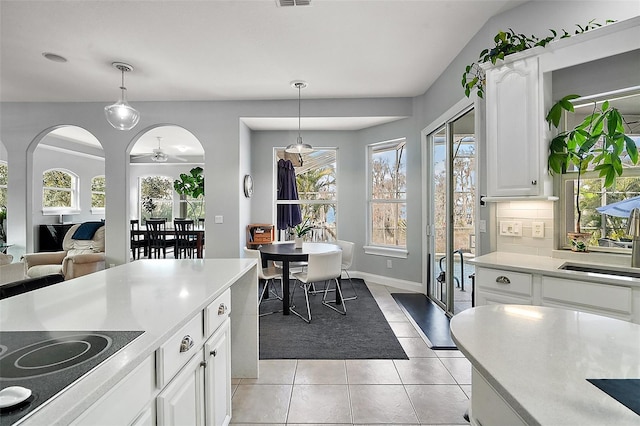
[(98, 194), (317, 191), (155, 197), (608, 230), (387, 194), (59, 191)]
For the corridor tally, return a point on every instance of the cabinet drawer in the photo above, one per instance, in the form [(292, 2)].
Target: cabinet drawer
[(217, 312), (178, 349), (591, 295), (504, 281)]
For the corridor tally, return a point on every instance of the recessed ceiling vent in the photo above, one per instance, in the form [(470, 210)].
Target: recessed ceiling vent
[(287, 3)]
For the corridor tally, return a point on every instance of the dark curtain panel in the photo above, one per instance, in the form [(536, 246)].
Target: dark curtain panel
[(289, 214)]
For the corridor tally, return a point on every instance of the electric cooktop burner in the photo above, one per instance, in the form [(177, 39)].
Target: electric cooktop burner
[(48, 362)]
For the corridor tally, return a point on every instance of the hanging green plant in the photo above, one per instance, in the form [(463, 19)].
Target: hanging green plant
[(506, 43)]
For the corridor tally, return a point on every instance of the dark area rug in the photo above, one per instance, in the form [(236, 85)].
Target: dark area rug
[(429, 317), (363, 333)]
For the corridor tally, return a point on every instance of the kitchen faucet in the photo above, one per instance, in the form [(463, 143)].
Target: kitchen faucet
[(633, 229)]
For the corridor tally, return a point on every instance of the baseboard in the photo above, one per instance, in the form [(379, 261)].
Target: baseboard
[(389, 282)]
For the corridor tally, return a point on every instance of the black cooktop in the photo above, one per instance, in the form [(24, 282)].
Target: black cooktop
[(48, 361)]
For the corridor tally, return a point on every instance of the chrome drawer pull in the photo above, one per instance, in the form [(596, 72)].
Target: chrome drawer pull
[(503, 280), (213, 352), (186, 344), (222, 309)]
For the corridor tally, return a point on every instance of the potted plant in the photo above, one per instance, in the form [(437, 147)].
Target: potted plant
[(190, 185), (599, 140), (506, 43), (301, 230)]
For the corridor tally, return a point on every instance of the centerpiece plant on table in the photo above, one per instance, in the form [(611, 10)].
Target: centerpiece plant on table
[(598, 141), (301, 230)]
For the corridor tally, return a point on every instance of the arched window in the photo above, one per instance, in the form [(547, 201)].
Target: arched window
[(98, 194), (59, 191)]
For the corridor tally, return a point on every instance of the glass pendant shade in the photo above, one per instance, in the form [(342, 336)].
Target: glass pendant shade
[(121, 115)]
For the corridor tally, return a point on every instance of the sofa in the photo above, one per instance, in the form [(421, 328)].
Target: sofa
[(82, 254)]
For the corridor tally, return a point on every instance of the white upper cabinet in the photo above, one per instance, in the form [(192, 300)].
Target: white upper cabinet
[(518, 94), (516, 165)]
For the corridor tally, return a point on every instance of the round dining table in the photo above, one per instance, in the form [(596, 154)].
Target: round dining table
[(286, 252)]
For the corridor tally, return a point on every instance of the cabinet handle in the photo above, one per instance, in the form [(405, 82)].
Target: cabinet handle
[(203, 364), (186, 344), (534, 182), (213, 352), (503, 280), (222, 309)]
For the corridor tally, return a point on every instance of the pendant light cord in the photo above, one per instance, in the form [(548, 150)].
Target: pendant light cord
[(299, 113)]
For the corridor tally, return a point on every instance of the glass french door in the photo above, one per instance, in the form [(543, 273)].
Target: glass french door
[(451, 192)]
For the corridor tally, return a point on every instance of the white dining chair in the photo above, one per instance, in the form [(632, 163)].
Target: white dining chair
[(321, 267), (347, 260), (268, 275)]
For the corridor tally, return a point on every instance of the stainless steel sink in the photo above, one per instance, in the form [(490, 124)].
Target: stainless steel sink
[(599, 270)]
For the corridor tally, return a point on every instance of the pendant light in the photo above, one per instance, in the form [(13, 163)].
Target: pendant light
[(121, 115), (299, 147)]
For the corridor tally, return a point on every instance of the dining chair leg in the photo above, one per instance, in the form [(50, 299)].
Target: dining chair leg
[(306, 297), (262, 293), (328, 303), (355, 295)]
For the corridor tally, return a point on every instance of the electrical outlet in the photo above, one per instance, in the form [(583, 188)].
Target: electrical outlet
[(537, 229), (389, 264)]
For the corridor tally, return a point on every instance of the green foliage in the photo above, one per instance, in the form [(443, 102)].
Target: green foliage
[(506, 43), (599, 140), (303, 228), (192, 186)]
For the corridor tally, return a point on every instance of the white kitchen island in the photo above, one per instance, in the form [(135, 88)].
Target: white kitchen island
[(531, 365), (162, 298)]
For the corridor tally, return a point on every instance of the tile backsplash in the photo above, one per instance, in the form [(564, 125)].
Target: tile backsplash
[(526, 212)]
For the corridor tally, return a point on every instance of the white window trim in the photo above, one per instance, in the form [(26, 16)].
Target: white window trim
[(97, 210), (371, 248), (75, 196), (399, 253), (561, 223)]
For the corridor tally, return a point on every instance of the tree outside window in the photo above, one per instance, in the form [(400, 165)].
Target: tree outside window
[(156, 197), (98, 197), (388, 183), (59, 190)]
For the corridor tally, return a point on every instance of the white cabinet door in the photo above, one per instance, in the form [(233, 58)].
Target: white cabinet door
[(515, 150), (181, 402), (218, 377)]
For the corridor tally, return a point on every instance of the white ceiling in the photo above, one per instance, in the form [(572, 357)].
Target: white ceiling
[(234, 50)]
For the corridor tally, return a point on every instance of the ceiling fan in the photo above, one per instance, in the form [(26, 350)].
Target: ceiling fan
[(158, 155)]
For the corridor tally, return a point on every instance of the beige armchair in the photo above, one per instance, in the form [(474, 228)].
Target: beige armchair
[(79, 257), (10, 272)]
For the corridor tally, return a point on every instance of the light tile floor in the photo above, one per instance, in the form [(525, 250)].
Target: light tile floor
[(430, 388)]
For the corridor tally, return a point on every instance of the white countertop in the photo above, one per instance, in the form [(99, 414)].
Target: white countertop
[(549, 266), (155, 296), (539, 358)]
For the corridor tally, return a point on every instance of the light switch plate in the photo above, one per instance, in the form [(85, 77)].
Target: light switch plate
[(217, 219)]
